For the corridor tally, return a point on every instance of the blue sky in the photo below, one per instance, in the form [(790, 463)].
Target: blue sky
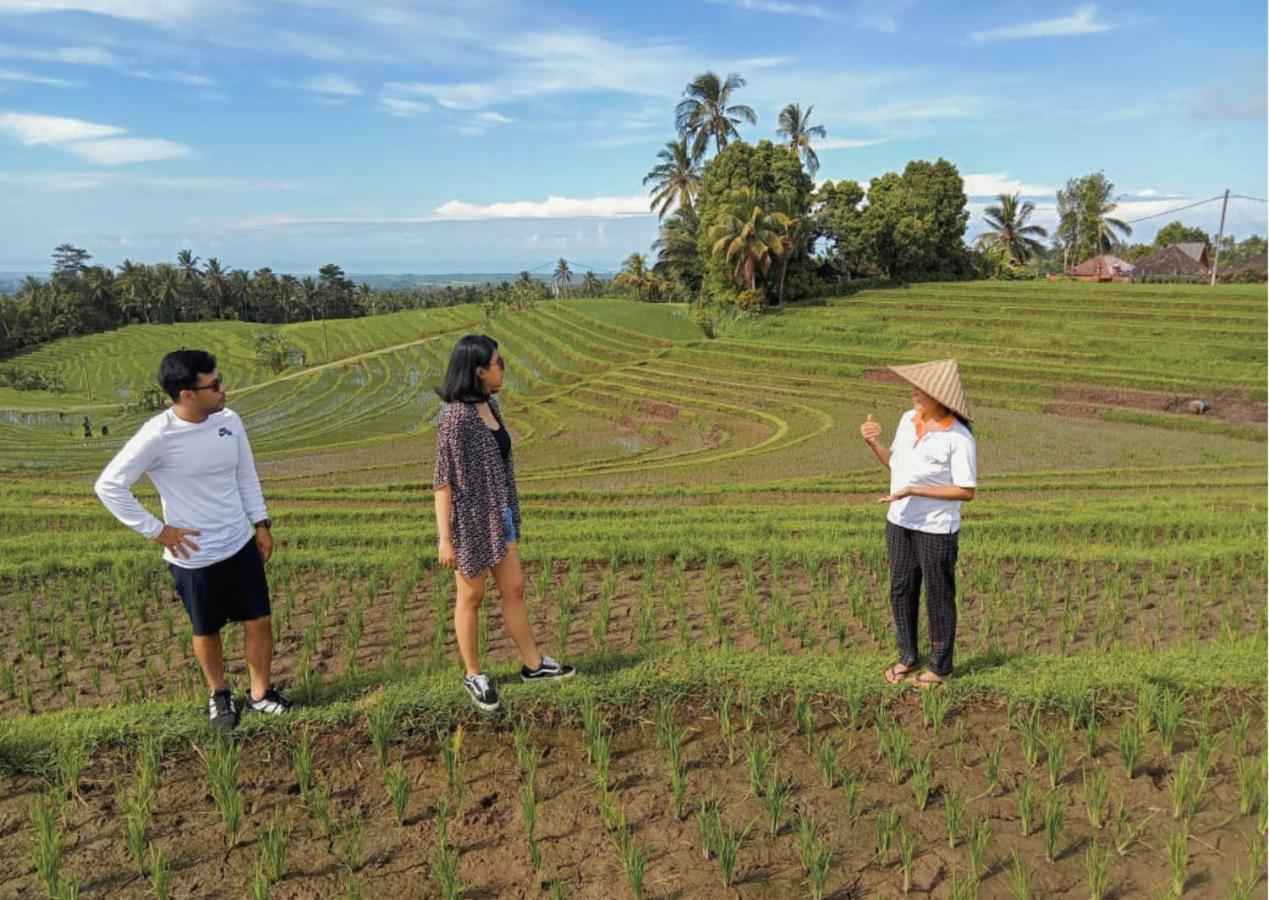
[(482, 135)]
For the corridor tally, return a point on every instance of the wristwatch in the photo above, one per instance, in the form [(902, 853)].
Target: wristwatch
[(263, 523)]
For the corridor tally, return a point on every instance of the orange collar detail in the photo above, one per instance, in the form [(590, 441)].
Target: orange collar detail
[(923, 427)]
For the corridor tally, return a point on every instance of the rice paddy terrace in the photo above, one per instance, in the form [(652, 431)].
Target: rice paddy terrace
[(701, 536)]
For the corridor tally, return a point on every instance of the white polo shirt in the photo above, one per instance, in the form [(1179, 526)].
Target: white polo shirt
[(941, 457)]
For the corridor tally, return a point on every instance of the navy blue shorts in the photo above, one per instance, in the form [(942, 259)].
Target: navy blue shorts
[(232, 590)]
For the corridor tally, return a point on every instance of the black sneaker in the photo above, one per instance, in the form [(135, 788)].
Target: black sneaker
[(482, 692), (222, 712), (272, 703), (548, 670)]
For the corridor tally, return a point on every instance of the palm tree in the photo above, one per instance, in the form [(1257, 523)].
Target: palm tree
[(216, 283), (563, 275), (1008, 221), (592, 284), (796, 129), (704, 112), (634, 274), (678, 255), (793, 234), (167, 289), (134, 296), (748, 236), (675, 179)]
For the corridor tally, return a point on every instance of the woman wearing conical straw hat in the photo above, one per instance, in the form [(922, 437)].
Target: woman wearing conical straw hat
[(933, 469)]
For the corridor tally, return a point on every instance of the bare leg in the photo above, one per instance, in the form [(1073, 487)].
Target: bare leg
[(510, 578), (211, 658), (257, 646), (471, 591)]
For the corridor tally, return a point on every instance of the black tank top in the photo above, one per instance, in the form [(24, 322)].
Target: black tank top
[(504, 442)]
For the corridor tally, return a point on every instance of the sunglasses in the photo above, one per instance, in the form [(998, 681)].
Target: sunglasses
[(213, 386)]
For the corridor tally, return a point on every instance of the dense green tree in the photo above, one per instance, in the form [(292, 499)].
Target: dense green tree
[(838, 217), (1180, 233), (1086, 225), (914, 223), (778, 182)]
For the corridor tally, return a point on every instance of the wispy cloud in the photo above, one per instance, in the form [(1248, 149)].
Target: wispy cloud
[(462, 211), (75, 56), (117, 151), (780, 7), (66, 182), (1217, 100), (1083, 21), (33, 129), (27, 78), (880, 15), (153, 11), (848, 143), (991, 184), (403, 108), (92, 141)]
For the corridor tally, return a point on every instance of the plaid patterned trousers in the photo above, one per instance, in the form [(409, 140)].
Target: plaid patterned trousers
[(917, 556)]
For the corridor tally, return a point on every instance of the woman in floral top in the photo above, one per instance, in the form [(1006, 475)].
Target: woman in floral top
[(478, 512)]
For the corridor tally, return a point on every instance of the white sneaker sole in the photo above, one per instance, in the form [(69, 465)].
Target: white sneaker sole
[(562, 677)]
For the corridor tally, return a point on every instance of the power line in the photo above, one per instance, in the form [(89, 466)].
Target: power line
[(1244, 197), (1169, 212)]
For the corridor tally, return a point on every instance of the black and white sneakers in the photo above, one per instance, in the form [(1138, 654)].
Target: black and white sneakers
[(222, 711), (272, 703), (547, 670), (222, 708), (481, 691)]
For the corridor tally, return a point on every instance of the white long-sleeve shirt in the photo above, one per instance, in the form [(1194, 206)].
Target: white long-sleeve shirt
[(206, 478)]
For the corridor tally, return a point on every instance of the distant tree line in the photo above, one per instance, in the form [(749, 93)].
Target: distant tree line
[(79, 297)]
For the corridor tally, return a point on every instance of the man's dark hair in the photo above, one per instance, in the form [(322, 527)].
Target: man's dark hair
[(462, 385), (180, 369)]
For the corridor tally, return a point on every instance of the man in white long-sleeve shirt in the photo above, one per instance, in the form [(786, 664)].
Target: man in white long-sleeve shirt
[(215, 530)]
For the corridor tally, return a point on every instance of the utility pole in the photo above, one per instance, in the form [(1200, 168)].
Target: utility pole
[(1220, 235)]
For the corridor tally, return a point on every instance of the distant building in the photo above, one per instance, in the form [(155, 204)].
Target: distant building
[(1253, 269), (1175, 260), (1106, 267)]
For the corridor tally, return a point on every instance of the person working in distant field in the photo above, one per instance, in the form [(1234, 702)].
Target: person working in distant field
[(478, 512), (215, 531), (933, 469)]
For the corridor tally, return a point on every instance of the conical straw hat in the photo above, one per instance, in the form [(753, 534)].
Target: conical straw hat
[(941, 380)]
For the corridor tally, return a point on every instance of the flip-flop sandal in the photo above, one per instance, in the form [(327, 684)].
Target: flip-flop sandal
[(927, 680), (893, 676)]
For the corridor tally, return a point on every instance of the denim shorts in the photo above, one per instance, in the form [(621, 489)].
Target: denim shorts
[(508, 526)]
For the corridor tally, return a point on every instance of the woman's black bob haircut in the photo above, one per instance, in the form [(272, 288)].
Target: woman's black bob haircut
[(461, 385)]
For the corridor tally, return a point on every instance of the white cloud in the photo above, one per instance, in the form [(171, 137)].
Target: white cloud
[(403, 108), (67, 182), (461, 211), (551, 208), (780, 7), (990, 184), (336, 85), (879, 15), (27, 78), (482, 122), (118, 151), (88, 140), (33, 129), (75, 56), (153, 11), (847, 143), (190, 78), (1082, 21)]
